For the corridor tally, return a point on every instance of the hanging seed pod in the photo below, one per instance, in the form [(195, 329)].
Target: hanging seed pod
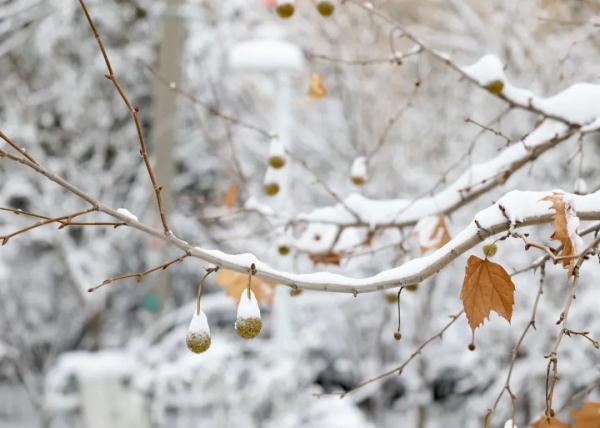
[(248, 322), (198, 335), (358, 173), (495, 87), (271, 183), (325, 7), (285, 8), (276, 154), (391, 298)]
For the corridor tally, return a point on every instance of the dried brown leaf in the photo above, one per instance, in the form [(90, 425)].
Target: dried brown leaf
[(561, 232), (332, 258), (439, 236), (317, 88), (487, 287), (231, 196), (588, 416), (235, 282)]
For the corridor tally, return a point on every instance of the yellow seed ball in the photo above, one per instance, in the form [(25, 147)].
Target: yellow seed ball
[(283, 250), (495, 87), (358, 181), (325, 8), (397, 335), (295, 292), (391, 298), (271, 189), (285, 10), (472, 347), (490, 250), (411, 287), (198, 342), (248, 328), (276, 162)]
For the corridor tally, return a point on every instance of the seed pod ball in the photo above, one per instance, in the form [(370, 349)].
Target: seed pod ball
[(198, 335), (248, 323), (391, 298), (489, 250), (271, 189), (495, 87), (325, 8), (358, 173), (276, 153), (285, 10)]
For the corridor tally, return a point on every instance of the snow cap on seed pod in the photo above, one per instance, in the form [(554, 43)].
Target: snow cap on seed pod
[(284, 244), (276, 153), (198, 335), (358, 173), (272, 180), (580, 186), (248, 322)]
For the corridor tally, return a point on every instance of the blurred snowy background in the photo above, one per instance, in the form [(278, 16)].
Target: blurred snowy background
[(117, 357)]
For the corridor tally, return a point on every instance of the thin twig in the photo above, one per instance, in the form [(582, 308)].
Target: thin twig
[(17, 147), (515, 351), (212, 110), (489, 129), (67, 217), (552, 367), (325, 186), (64, 223), (140, 275), (398, 370), (134, 114)]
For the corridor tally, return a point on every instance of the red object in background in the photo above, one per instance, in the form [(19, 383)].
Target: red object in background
[(271, 4)]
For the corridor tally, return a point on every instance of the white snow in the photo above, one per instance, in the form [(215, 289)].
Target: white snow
[(266, 55), (580, 186), (359, 168), (573, 225), (486, 70), (519, 206), (576, 104), (273, 175), (402, 211), (424, 230), (127, 213), (276, 148), (199, 324), (248, 307)]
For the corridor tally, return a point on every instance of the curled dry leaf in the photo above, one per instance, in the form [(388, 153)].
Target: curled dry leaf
[(432, 233), (588, 416), (565, 229), (235, 282), (487, 287), (331, 258), (231, 196), (317, 88)]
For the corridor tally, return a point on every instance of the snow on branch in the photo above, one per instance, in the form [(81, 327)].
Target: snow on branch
[(475, 181), (515, 209)]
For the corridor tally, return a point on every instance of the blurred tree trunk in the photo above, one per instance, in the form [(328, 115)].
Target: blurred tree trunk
[(172, 38)]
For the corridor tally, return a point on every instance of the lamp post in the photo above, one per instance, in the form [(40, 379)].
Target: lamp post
[(268, 54)]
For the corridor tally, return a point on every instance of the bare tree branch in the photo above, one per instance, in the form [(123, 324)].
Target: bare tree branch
[(134, 114)]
